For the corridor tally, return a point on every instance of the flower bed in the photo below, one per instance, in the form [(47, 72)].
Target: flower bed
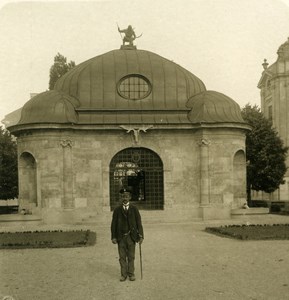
[(47, 239), (252, 232)]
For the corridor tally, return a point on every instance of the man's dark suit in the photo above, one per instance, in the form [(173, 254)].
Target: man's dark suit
[(126, 228), (123, 223)]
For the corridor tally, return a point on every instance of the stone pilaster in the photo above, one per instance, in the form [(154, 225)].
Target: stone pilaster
[(204, 172), (68, 200)]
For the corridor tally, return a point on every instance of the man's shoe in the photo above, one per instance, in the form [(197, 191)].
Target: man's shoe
[(122, 278), (132, 278)]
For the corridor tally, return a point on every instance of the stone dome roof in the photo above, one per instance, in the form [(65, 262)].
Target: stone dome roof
[(213, 107), (49, 107), (103, 82), (124, 87)]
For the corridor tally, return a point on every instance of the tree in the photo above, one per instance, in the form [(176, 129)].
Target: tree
[(58, 69), (266, 154), (8, 166)]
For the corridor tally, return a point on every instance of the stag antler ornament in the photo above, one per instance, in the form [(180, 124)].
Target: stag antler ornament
[(136, 131)]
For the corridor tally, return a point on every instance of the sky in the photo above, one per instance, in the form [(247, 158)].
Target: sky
[(223, 42)]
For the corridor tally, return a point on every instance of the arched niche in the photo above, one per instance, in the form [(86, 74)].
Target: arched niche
[(28, 178), (239, 178)]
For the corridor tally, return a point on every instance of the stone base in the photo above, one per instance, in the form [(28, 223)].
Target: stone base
[(103, 216), (19, 219), (127, 47), (60, 216), (215, 213), (250, 211), (286, 207)]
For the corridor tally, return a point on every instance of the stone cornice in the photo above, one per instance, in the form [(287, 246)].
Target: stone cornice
[(21, 129), (125, 110), (261, 83)]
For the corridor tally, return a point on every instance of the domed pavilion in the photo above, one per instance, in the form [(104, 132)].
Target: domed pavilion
[(131, 118)]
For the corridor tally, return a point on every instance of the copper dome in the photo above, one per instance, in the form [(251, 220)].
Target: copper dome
[(129, 87), (213, 107), (95, 82), (49, 107)]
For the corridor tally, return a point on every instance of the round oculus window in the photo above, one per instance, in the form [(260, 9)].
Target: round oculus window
[(134, 87)]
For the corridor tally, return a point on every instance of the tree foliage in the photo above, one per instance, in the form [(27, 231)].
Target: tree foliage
[(266, 153), (58, 69), (8, 166)]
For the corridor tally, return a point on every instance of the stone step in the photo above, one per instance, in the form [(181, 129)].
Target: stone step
[(148, 217), (19, 219), (250, 211)]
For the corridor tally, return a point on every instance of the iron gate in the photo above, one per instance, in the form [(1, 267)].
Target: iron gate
[(139, 170)]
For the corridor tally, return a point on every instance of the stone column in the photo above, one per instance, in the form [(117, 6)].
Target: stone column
[(68, 201), (204, 168)]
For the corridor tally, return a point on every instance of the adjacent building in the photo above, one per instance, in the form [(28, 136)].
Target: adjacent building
[(274, 86)]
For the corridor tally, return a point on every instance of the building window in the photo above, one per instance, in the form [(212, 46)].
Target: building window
[(139, 170), (270, 113), (134, 87)]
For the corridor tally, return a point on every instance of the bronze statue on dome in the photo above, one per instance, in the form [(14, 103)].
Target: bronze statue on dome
[(129, 36)]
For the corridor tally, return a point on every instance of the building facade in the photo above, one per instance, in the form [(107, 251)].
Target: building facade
[(274, 87), (131, 118)]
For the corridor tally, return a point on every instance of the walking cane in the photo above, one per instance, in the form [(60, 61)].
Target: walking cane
[(140, 256)]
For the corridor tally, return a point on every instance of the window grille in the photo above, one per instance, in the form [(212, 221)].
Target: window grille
[(139, 170), (134, 87)]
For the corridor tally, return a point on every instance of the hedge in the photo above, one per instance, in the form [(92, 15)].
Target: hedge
[(252, 232), (47, 239)]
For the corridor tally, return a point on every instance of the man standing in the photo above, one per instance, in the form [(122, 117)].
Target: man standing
[(126, 230)]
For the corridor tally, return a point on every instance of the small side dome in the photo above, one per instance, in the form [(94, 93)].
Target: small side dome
[(283, 51), (50, 107), (213, 107)]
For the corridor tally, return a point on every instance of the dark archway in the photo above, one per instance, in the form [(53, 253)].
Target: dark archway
[(141, 171)]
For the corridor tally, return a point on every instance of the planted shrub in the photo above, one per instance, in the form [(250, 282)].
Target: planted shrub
[(252, 232), (47, 239)]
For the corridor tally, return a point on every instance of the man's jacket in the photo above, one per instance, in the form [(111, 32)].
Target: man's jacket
[(130, 222)]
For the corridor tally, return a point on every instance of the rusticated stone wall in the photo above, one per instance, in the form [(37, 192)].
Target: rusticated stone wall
[(73, 171)]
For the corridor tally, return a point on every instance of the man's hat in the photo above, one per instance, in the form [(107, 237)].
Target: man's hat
[(123, 190)]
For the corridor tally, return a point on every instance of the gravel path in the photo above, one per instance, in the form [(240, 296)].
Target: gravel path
[(180, 261)]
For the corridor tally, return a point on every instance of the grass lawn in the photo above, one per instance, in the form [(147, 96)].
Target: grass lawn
[(47, 239), (252, 232)]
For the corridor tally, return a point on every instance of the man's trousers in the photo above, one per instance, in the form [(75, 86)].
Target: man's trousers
[(126, 251)]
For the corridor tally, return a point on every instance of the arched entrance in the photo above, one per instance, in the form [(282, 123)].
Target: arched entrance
[(141, 171), (27, 174)]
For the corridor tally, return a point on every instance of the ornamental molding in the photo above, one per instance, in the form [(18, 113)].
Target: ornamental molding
[(66, 143), (204, 142)]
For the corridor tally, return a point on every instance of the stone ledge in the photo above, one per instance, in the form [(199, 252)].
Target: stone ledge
[(250, 211), (19, 218)]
